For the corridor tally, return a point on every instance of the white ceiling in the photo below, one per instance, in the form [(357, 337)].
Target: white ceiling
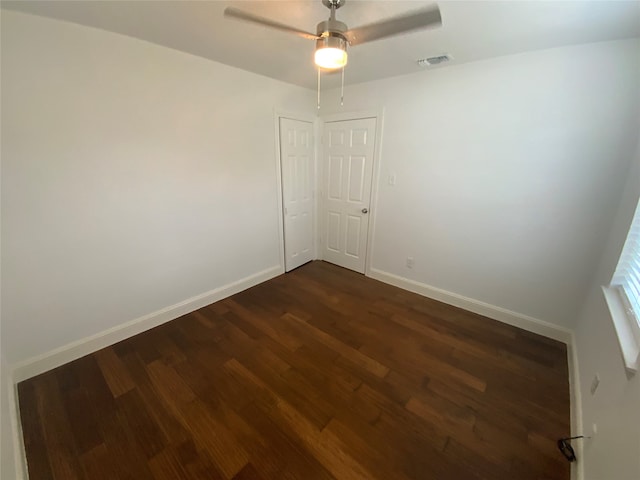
[(472, 30)]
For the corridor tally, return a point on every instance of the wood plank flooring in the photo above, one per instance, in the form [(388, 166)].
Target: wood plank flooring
[(317, 374)]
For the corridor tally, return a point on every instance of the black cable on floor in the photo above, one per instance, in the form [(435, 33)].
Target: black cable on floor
[(566, 448)]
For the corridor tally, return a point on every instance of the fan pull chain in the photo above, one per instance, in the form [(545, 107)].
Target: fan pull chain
[(318, 88), (342, 89)]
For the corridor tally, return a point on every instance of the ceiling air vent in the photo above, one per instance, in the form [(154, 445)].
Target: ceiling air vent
[(427, 62)]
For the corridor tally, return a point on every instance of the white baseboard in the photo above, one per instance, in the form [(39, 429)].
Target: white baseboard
[(72, 351), (519, 320), (575, 395), (19, 455)]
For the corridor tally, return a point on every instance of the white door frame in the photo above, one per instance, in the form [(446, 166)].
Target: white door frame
[(375, 179), (278, 114)]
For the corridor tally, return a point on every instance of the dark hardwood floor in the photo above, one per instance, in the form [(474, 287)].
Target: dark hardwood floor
[(317, 374)]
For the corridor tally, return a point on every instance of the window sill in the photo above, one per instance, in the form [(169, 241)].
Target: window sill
[(627, 337)]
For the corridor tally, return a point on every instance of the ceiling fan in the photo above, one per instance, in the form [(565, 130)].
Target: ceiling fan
[(332, 36)]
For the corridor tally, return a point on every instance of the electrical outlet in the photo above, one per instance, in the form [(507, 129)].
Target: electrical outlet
[(410, 262), (594, 383), (594, 430), (392, 179)]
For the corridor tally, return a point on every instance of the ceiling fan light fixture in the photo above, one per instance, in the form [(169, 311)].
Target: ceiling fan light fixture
[(331, 52), (332, 35)]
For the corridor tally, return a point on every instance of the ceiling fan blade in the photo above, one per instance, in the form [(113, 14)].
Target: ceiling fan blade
[(250, 17), (394, 26)]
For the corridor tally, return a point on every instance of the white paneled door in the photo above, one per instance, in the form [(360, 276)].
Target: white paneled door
[(348, 171), (296, 157)]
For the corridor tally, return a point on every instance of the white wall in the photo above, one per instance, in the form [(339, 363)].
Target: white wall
[(134, 177), (614, 453), (7, 450), (508, 171)]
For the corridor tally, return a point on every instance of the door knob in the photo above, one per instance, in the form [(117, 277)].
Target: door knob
[(365, 210)]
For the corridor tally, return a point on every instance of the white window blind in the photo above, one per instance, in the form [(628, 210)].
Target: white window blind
[(623, 297), (627, 276)]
